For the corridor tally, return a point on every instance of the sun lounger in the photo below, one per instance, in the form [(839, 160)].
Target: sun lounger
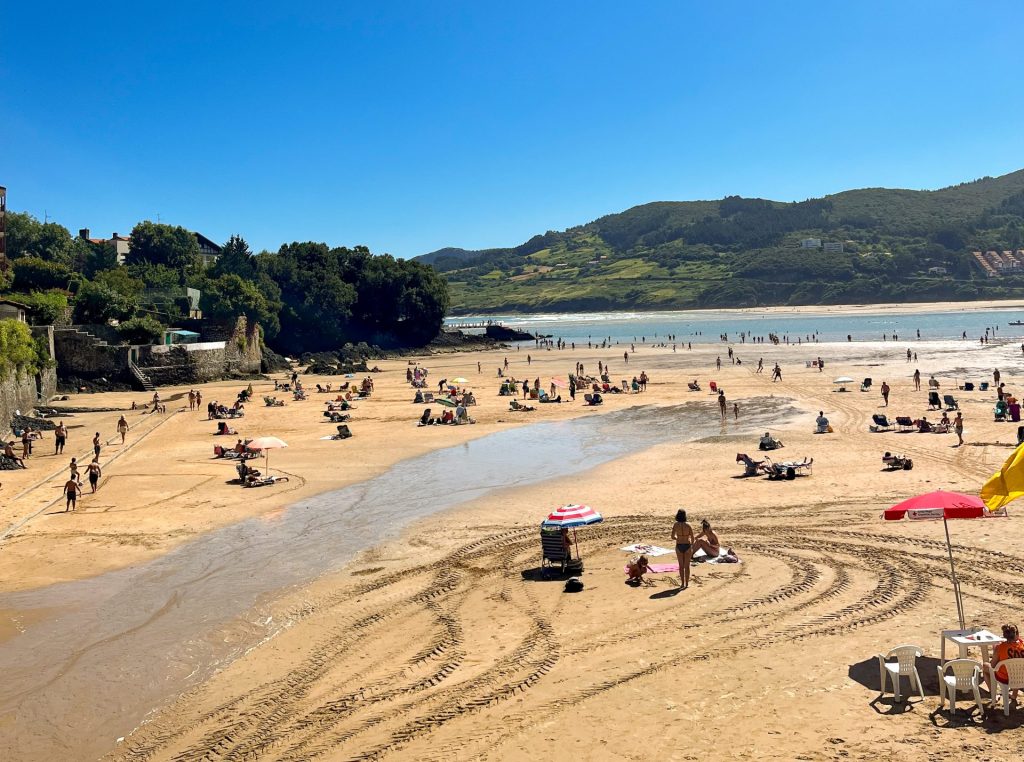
[(344, 432), (789, 470), (881, 423), (968, 386), (1000, 410), (751, 467), (263, 481), (950, 402), (905, 423), (934, 403), (894, 462), (983, 386), (693, 386)]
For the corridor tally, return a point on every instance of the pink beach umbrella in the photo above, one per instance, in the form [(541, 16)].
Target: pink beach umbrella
[(265, 445)]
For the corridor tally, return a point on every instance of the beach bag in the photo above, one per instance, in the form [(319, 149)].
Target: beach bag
[(830, 428), (574, 585)]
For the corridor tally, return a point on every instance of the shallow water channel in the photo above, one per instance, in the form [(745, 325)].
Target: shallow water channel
[(95, 656)]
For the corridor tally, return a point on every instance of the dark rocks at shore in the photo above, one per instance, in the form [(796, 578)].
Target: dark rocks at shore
[(272, 362), (503, 333), (21, 422), (74, 385)]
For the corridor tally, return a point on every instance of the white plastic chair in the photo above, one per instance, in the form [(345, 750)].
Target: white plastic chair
[(905, 665), (966, 677), (1015, 672)]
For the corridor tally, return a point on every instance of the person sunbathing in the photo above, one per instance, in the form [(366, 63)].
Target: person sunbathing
[(768, 442), (636, 571), (707, 540)]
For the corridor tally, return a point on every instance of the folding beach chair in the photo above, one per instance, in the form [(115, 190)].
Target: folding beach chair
[(905, 423), (552, 550), (950, 402)]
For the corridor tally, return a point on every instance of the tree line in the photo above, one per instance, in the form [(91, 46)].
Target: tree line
[(305, 296)]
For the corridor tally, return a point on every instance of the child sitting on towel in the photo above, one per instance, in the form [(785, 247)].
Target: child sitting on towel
[(637, 569)]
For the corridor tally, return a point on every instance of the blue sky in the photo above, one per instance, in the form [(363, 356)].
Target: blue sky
[(411, 126)]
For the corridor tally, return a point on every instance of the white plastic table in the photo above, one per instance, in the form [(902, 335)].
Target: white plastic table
[(970, 638)]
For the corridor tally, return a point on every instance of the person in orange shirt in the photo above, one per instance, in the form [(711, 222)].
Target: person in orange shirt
[(1012, 647)]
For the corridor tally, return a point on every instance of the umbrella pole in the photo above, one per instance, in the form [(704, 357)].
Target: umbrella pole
[(577, 541), (956, 582)]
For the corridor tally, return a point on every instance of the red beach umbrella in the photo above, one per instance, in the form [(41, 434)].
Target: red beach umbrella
[(944, 505)]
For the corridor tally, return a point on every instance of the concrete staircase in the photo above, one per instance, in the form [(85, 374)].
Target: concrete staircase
[(140, 377)]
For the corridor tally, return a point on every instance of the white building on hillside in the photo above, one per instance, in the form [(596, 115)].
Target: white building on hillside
[(810, 243)]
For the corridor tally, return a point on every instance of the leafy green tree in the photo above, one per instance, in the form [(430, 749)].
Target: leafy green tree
[(171, 246), (48, 307), (17, 349), (34, 273), (229, 296), (141, 330), (92, 258), (28, 237), (99, 302), (235, 258)]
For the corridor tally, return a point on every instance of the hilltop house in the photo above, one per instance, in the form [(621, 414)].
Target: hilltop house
[(810, 243), (208, 250)]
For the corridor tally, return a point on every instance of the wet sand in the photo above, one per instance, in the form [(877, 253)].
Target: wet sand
[(436, 644)]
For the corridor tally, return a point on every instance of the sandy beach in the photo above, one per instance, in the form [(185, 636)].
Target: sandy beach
[(442, 642)]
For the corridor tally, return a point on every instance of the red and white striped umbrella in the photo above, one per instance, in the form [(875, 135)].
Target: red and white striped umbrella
[(574, 515)]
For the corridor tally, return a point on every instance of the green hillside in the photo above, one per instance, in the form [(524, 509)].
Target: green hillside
[(740, 252)]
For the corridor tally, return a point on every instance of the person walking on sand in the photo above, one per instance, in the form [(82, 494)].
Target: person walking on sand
[(96, 445), (908, 354), (682, 534), (885, 393), (199, 400), (760, 364), (74, 471), (95, 472), (60, 435), (122, 427), (958, 428), (192, 398), (995, 377), (721, 403), (718, 363), (776, 373), (72, 489), (735, 411), (917, 380)]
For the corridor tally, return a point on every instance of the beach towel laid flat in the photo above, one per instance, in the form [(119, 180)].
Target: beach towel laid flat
[(647, 550), (723, 557)]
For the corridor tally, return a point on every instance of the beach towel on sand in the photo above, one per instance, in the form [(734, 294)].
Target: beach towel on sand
[(647, 550), (723, 558)]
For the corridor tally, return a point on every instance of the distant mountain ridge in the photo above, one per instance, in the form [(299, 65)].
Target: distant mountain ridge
[(896, 244)]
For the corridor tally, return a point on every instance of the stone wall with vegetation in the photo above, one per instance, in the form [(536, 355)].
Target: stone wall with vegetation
[(239, 356)]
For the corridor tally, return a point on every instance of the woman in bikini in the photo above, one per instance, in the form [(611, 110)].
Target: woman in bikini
[(682, 533), (707, 541)]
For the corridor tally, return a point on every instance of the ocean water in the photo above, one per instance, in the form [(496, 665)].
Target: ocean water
[(828, 324)]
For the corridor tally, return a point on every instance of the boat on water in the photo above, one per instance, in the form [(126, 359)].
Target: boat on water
[(1016, 322)]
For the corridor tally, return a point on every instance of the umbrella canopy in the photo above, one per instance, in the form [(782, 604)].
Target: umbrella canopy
[(444, 401), (265, 443), (940, 505), (461, 380), (843, 380), (574, 515), (944, 505), (560, 382)]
